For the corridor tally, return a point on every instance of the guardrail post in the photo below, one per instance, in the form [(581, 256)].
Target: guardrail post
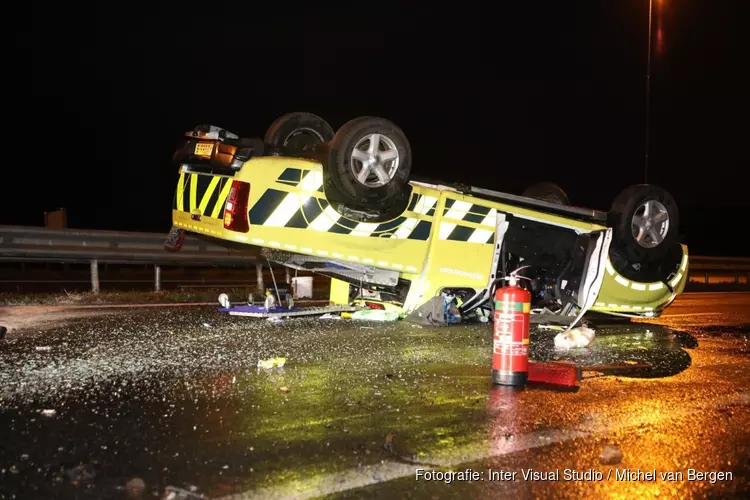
[(95, 276), (157, 278), (259, 277)]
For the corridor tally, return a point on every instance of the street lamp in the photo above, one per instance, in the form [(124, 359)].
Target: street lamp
[(648, 90)]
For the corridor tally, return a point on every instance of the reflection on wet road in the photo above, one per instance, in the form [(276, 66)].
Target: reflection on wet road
[(174, 396)]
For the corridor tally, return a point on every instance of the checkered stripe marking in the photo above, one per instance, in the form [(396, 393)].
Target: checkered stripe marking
[(457, 212), (309, 210), (304, 210)]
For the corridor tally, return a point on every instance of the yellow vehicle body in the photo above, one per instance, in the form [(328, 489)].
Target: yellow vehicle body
[(444, 239)]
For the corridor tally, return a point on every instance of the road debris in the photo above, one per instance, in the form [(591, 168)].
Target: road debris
[(81, 474), (577, 337), (135, 487), (557, 328), (270, 363), (611, 455), (375, 315), (174, 493)]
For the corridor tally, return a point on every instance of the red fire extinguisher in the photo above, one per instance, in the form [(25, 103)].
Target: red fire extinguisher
[(510, 354)]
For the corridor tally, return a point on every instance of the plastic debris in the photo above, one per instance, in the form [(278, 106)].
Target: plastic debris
[(43, 348), (431, 313), (135, 487), (270, 301), (224, 301), (274, 319), (284, 389), (80, 474), (49, 413), (611, 455), (552, 327), (452, 315), (270, 363), (174, 493), (376, 315), (577, 337), (330, 316)]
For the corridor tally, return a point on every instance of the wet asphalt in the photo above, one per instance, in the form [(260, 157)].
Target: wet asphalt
[(100, 407)]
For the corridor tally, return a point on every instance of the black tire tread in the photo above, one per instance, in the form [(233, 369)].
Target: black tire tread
[(338, 173), (623, 207), (285, 125), (544, 190)]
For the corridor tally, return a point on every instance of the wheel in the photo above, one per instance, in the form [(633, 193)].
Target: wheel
[(298, 131), (368, 163), (645, 222), (547, 191)]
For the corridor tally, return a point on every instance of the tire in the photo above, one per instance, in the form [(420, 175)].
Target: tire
[(299, 132), (349, 154), (660, 270), (547, 191), (645, 222)]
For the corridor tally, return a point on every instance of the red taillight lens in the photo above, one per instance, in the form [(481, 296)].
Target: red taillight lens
[(375, 305), (235, 209)]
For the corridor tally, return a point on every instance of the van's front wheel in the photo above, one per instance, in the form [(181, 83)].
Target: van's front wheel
[(645, 221)]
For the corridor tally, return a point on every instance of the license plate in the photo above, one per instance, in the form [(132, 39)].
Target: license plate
[(204, 149)]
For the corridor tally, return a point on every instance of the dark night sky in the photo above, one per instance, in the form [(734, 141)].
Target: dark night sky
[(490, 96)]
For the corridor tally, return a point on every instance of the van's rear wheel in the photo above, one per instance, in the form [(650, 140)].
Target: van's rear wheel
[(299, 131), (368, 162)]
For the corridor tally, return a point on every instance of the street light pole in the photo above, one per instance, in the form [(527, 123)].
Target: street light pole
[(648, 93)]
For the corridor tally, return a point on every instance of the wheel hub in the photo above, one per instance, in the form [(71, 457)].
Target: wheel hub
[(650, 224), (374, 160)]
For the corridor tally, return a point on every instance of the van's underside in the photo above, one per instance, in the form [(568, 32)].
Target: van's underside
[(557, 263)]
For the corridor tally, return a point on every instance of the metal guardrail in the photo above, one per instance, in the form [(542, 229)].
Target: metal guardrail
[(29, 244), (26, 244), (38, 244), (705, 263), (704, 270)]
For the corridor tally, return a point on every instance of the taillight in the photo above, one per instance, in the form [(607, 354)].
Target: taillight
[(235, 209), (375, 305)]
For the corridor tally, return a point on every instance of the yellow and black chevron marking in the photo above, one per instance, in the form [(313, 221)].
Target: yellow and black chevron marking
[(278, 208), (204, 193), (294, 176), (456, 212)]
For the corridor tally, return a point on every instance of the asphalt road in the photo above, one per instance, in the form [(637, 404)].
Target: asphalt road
[(173, 396)]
